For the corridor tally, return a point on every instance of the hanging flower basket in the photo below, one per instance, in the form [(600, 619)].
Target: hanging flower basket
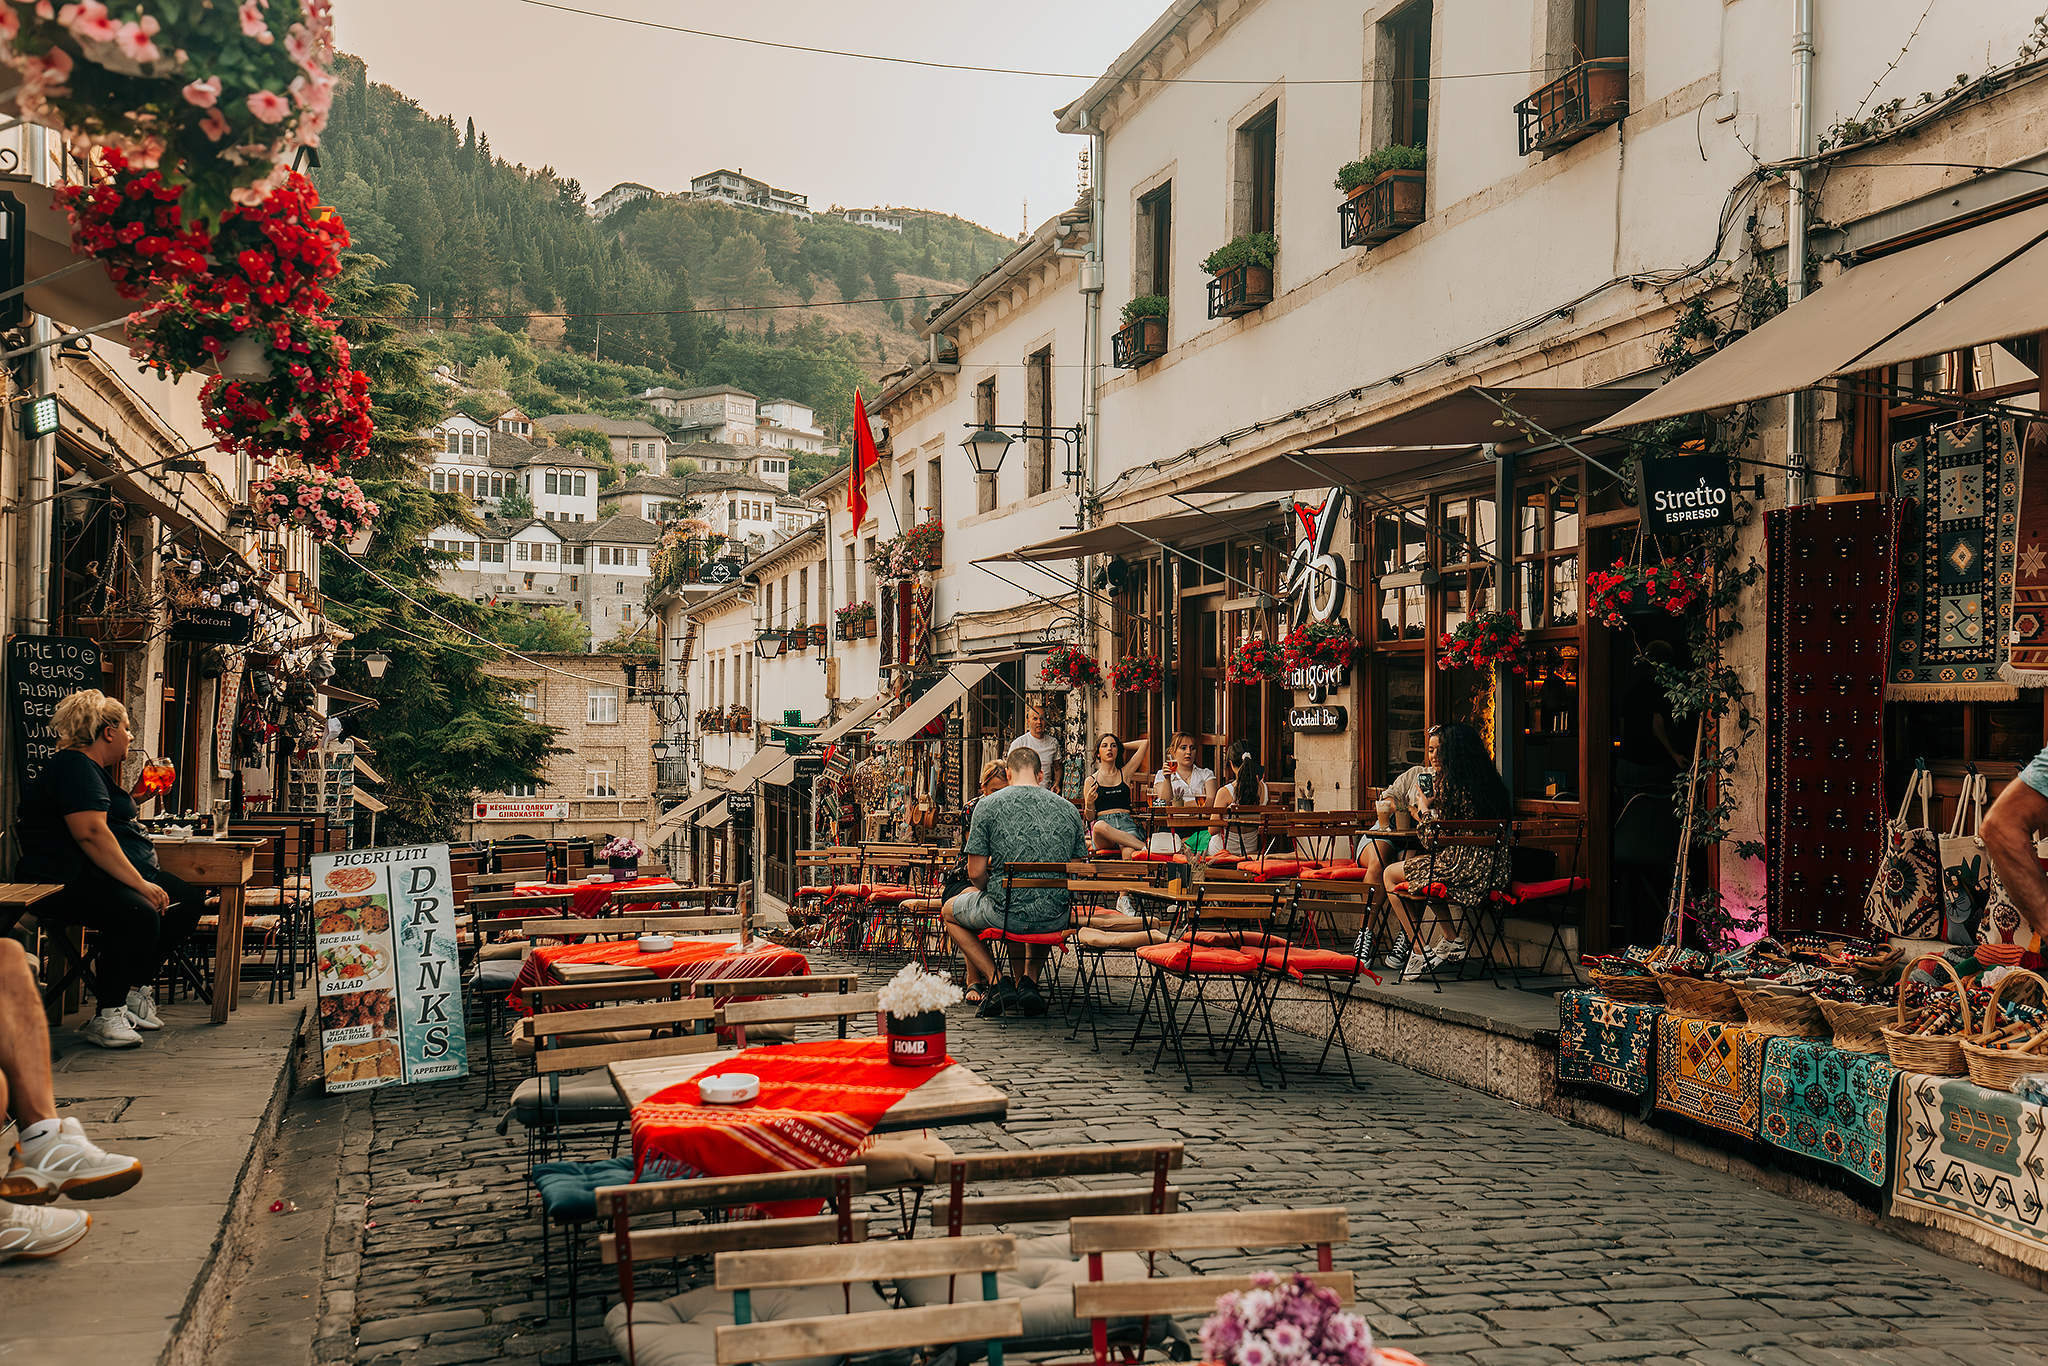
[(1635, 589), (324, 505), (1482, 641), (1254, 662), (131, 224), (221, 94), (921, 545), (313, 407), (1138, 673), (1328, 643), (1067, 666)]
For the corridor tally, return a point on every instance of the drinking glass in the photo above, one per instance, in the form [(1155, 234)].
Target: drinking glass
[(159, 775)]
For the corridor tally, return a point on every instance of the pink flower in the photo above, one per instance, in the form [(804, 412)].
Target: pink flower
[(253, 25), (10, 23), (203, 94), (134, 39), (54, 68), (269, 106), (88, 20)]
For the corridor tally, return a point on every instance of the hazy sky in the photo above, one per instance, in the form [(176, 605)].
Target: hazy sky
[(605, 102)]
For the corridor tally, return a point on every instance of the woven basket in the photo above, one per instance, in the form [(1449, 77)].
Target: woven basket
[(1638, 991), (1702, 1000), (1786, 1017), (1934, 1055), (1996, 1069), (1856, 1028)]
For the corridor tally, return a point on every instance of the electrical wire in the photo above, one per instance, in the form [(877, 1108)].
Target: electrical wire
[(997, 70)]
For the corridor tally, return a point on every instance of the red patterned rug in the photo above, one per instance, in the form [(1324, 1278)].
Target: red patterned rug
[(2028, 665)]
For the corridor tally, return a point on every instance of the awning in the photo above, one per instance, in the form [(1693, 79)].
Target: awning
[(853, 720), (680, 816), (365, 800), (1137, 538), (1472, 416), (715, 817), (1320, 466), (765, 758), (354, 699), (948, 690), (782, 775), (1852, 323), (372, 774)]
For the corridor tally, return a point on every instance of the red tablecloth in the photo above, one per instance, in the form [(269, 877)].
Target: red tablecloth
[(819, 1105), (592, 898), (691, 960)]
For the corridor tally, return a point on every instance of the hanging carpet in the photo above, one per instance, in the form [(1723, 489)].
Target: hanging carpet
[(1828, 1105), (1709, 1072), (2027, 664), (1958, 489), (1828, 590)]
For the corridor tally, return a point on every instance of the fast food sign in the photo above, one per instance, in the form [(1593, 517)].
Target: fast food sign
[(387, 967)]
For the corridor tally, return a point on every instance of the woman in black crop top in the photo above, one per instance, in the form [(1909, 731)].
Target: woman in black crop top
[(1106, 797)]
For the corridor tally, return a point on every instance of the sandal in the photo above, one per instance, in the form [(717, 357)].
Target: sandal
[(974, 995)]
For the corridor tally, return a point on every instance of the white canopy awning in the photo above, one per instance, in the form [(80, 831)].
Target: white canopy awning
[(862, 710), (715, 817), (765, 758), (944, 694)]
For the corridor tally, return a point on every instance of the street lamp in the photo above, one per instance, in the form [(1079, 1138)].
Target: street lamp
[(661, 749), (986, 449), (376, 663), (768, 644)]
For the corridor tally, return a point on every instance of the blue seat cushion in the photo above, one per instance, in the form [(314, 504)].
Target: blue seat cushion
[(568, 1190), (497, 974)]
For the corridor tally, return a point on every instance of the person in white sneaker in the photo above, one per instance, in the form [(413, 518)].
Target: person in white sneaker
[(78, 827), (1465, 786), (45, 1157), (29, 1233)]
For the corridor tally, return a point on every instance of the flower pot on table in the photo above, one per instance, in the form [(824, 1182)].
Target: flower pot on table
[(917, 1040), (625, 869)]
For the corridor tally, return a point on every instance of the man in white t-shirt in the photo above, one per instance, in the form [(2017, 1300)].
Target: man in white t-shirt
[(1034, 737)]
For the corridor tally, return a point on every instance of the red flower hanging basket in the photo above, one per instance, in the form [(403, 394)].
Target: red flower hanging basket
[(1672, 586), (1482, 641), (1138, 673), (1256, 661), (1068, 666), (1328, 643)]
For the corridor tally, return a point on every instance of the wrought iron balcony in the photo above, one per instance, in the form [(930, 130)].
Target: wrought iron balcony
[(1575, 105)]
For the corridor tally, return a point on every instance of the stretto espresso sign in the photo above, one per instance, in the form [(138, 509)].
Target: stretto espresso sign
[(1685, 493)]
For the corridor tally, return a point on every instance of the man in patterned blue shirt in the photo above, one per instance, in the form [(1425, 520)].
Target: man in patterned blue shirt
[(1023, 823), (2015, 821)]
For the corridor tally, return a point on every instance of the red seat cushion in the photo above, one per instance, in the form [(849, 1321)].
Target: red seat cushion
[(1341, 872), (1056, 938), (1539, 891), (887, 894), (1147, 856), (1179, 957), (1271, 869), (1303, 961), (1221, 860)]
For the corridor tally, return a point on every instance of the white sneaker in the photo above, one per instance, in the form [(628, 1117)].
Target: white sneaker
[(110, 1029), (1417, 966), (1124, 904), (29, 1233), (1449, 953), (141, 1008), (68, 1163)]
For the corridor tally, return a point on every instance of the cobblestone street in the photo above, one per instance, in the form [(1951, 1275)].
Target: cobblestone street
[(1481, 1233)]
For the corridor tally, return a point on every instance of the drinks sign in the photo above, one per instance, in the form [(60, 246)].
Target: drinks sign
[(41, 672), (386, 964), (1684, 493)]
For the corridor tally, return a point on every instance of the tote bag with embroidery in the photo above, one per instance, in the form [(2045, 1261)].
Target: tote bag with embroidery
[(1967, 882), (1905, 896)]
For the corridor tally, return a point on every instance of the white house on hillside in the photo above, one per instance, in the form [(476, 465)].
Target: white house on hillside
[(718, 412), (791, 426), (631, 438)]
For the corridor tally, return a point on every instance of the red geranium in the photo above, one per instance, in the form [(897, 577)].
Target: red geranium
[(1255, 661), (1137, 673), (1071, 666), (130, 222), (1673, 585), (1482, 641), (1328, 643)]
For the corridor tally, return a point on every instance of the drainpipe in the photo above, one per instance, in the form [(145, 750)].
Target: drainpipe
[(1796, 478), (42, 475)]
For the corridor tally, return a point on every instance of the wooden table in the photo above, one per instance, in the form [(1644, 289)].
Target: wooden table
[(226, 866), (955, 1096)]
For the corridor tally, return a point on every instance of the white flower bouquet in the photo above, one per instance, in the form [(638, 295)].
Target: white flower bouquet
[(914, 991), (624, 848), (1288, 1321)]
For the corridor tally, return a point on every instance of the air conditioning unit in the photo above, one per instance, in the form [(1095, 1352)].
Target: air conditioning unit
[(551, 588)]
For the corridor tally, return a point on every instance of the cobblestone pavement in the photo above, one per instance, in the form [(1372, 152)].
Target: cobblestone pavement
[(1482, 1234)]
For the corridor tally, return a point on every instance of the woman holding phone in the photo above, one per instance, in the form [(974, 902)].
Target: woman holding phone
[(1463, 785)]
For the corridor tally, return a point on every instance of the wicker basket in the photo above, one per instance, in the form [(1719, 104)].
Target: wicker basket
[(1702, 1000), (1934, 1055), (1635, 991), (1786, 1017), (1856, 1028), (1996, 1069)]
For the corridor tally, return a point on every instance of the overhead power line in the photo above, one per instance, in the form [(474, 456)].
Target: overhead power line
[(1001, 70)]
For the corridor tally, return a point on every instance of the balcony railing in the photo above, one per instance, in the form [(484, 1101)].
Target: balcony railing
[(1138, 342), (1383, 209), (1241, 289), (1575, 105), (671, 774)]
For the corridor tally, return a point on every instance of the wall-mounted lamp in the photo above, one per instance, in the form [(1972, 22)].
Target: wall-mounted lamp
[(377, 663), (986, 449)]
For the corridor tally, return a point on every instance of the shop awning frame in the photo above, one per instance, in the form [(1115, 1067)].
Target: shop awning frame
[(765, 758), (920, 713), (1849, 324), (854, 719), (716, 816)]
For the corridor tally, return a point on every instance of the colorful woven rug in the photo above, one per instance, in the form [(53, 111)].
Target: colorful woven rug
[(1709, 1072), (1959, 491), (1974, 1162), (819, 1105), (1828, 590), (2027, 658), (1606, 1043), (1831, 1106)]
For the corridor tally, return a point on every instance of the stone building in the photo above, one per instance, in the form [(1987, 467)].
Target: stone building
[(602, 780), (632, 439), (717, 412)]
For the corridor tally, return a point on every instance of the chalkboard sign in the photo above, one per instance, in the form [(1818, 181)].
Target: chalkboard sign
[(739, 807), (41, 672)]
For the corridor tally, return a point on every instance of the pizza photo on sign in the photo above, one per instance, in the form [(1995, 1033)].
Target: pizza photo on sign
[(352, 915), (346, 880), (350, 967)]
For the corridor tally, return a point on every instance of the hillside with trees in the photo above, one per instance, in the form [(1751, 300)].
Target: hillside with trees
[(497, 254)]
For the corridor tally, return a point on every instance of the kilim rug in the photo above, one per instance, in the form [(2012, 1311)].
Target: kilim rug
[(1974, 1162), (1959, 493), (1708, 1072), (1829, 575), (1606, 1043), (2027, 659), (1828, 1105)]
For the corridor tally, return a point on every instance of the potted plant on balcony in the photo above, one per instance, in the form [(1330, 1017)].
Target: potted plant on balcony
[(1481, 641), (818, 634), (1383, 195), (1243, 268), (709, 722), (922, 544), (1254, 662), (856, 620), (798, 637), (740, 720), (1142, 337)]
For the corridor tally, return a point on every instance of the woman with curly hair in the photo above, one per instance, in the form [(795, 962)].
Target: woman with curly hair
[(1463, 786)]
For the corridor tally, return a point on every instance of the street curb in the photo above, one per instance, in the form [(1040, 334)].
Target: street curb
[(191, 1341)]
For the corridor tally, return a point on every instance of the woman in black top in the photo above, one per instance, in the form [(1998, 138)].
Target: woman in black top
[(1106, 797), (78, 827)]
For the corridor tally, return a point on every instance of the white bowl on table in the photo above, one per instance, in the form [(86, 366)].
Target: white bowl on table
[(656, 943), (734, 1088)]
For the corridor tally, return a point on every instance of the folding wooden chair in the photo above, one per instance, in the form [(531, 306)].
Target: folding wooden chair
[(587, 1042), (1106, 936), (1018, 877), (1102, 1299), (1553, 900), (1186, 960), (1332, 970), (499, 960), (1465, 922)]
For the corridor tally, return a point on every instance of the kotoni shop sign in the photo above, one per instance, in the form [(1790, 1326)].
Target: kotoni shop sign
[(522, 811)]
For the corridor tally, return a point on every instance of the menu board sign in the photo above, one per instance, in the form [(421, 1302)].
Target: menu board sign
[(386, 964), (41, 672)]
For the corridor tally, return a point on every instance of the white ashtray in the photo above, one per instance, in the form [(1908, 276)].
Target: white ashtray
[(730, 1089), (656, 943)]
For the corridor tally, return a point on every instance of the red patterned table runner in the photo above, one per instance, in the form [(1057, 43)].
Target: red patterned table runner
[(819, 1105), (592, 899), (690, 960)]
